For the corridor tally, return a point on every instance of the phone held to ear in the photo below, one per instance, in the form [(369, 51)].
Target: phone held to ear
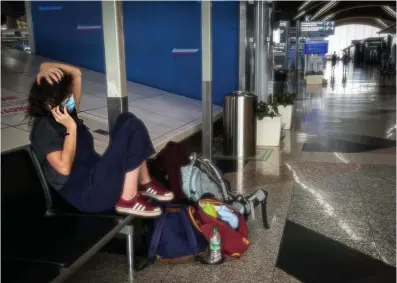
[(60, 109)]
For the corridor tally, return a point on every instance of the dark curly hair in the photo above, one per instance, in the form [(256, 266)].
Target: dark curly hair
[(45, 94)]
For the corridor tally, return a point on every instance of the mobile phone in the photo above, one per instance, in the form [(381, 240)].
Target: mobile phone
[(61, 109)]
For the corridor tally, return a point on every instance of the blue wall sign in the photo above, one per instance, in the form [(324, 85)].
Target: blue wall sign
[(50, 8), (316, 47)]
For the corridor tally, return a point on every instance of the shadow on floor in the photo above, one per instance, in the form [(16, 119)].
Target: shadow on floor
[(311, 257)]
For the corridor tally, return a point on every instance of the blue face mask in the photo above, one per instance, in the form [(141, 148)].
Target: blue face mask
[(69, 103)]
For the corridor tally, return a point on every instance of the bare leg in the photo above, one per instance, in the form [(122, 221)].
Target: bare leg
[(131, 202), (130, 187), (144, 176)]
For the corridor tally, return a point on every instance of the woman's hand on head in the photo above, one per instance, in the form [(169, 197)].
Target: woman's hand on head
[(50, 74), (63, 118)]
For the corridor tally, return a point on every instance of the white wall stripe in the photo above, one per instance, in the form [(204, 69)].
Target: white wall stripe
[(79, 27), (177, 50)]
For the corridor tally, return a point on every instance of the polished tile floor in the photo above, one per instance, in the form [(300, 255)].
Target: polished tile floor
[(332, 186), (333, 181), (168, 116)]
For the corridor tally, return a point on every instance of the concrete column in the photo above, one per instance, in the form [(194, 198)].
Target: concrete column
[(29, 22), (113, 33), (206, 58), (242, 45)]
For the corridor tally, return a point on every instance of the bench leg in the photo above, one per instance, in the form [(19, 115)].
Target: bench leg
[(130, 249), (128, 231)]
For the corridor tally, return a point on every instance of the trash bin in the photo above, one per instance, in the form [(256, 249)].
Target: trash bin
[(239, 124)]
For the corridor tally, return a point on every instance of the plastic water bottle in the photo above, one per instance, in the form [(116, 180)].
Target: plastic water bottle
[(215, 246)]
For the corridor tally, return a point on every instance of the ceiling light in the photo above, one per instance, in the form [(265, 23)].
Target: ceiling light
[(300, 15), (328, 17), (382, 23), (304, 5), (390, 11), (324, 9)]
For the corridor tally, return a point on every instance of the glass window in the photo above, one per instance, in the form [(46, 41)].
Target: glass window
[(345, 34)]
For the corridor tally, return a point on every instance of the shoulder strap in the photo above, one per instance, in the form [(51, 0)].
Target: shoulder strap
[(190, 232), (213, 172), (158, 231)]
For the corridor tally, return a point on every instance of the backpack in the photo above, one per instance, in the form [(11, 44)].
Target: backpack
[(234, 242), (201, 178), (175, 239)]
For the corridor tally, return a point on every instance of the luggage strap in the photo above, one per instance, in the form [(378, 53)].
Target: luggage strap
[(158, 231)]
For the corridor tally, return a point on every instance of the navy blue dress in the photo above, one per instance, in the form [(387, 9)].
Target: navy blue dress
[(95, 182)]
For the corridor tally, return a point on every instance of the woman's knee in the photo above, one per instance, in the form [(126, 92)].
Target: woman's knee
[(122, 120), (126, 116), (128, 121)]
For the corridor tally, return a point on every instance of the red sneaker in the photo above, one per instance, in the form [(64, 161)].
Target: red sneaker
[(137, 206), (156, 191)]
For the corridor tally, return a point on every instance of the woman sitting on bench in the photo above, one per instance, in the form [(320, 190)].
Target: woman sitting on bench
[(65, 148)]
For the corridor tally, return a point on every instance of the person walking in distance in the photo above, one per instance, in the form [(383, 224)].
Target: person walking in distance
[(345, 60), (333, 61), (385, 60)]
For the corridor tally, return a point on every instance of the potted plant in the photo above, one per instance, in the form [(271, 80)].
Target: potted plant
[(268, 124), (285, 102)]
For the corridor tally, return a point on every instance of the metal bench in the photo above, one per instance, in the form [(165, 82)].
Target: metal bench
[(35, 236)]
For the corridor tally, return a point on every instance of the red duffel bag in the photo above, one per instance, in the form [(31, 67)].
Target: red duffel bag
[(233, 242)]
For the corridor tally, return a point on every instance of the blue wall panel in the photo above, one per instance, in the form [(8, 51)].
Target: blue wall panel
[(225, 28), (152, 30), (57, 37)]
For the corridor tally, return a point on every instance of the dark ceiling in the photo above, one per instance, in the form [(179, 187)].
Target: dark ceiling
[(13, 9), (342, 12)]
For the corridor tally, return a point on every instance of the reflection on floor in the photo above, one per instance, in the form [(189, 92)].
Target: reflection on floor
[(168, 116), (333, 181)]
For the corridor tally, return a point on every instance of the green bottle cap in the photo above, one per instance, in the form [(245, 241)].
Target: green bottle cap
[(214, 229)]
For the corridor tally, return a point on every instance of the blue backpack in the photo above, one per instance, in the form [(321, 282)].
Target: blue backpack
[(175, 239)]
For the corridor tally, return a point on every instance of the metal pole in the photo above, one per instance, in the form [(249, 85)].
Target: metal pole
[(130, 245), (297, 48), (206, 58), (242, 45), (286, 44), (258, 47), (269, 43), (265, 51), (29, 21), (113, 33), (252, 65)]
